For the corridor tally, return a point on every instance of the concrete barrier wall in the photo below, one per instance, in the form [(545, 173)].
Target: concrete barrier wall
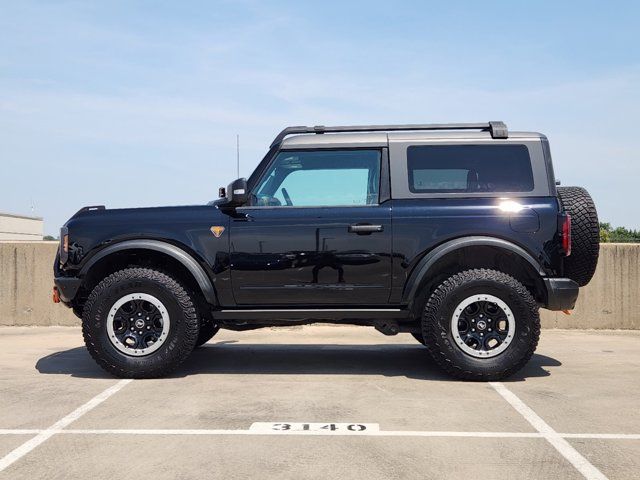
[(26, 279), (612, 298), (610, 301)]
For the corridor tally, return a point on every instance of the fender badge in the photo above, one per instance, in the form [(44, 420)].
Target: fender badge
[(217, 230)]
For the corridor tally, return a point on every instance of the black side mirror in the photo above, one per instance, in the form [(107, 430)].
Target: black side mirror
[(237, 193)]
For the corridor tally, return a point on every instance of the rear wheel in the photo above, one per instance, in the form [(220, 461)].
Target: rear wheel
[(139, 323), (481, 325)]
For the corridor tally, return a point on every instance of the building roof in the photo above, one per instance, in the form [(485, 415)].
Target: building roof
[(26, 217)]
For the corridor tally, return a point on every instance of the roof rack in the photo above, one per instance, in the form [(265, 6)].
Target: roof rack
[(497, 129)]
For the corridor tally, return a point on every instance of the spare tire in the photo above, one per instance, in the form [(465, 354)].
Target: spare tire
[(585, 234)]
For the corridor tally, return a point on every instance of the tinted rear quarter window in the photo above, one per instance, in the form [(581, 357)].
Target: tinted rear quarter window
[(469, 168)]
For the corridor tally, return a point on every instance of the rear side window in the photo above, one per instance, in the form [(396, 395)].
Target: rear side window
[(469, 168)]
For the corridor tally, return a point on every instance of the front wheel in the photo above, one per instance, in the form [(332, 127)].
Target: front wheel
[(139, 323), (481, 325)]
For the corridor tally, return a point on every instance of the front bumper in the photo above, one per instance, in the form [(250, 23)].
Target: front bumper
[(67, 287), (562, 293)]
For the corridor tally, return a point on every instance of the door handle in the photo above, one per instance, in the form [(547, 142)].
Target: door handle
[(242, 217), (365, 228)]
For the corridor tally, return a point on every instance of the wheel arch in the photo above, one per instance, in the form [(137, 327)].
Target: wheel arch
[(171, 257), (465, 253)]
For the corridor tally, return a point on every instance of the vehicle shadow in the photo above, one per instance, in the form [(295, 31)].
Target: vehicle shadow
[(411, 361), (75, 362)]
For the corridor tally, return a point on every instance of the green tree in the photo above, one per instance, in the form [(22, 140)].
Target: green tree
[(605, 232), (618, 234)]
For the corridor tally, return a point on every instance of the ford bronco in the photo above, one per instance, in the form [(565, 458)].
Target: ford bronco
[(454, 233)]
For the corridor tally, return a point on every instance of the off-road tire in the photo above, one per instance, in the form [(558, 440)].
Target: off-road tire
[(585, 234), (437, 316), (207, 331), (181, 337)]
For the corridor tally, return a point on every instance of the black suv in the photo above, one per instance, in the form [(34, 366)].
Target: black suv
[(454, 233)]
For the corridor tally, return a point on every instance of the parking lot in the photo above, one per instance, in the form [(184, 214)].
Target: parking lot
[(319, 402)]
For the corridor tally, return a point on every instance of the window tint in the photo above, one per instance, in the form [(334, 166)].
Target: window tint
[(469, 168), (320, 178)]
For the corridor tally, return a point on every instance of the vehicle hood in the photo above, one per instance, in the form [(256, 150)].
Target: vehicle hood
[(189, 226)]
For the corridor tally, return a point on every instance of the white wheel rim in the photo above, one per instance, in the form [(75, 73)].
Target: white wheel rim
[(466, 338), (142, 324)]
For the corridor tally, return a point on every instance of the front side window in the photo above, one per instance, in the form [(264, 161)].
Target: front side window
[(320, 178), (469, 168)]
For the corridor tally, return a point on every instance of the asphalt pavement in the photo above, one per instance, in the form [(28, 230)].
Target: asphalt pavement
[(319, 402)]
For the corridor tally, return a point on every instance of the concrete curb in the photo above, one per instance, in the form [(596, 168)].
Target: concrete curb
[(610, 301)]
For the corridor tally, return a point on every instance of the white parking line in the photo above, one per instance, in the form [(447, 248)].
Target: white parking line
[(565, 449), (372, 433), (379, 433), (13, 431), (57, 427), (602, 436)]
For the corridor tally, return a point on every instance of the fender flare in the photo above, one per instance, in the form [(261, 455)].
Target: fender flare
[(173, 251), (422, 269)]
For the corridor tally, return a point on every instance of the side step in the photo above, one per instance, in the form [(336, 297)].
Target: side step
[(312, 314)]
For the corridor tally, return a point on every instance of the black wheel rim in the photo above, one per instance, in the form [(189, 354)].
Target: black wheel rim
[(138, 324), (483, 326)]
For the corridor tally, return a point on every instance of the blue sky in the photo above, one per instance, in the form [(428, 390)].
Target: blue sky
[(138, 103)]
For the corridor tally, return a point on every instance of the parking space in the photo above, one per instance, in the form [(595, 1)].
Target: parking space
[(335, 402), (597, 387), (293, 457), (614, 458), (9, 442), (230, 386), (31, 398)]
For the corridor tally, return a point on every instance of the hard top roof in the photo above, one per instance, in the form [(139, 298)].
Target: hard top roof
[(378, 139)]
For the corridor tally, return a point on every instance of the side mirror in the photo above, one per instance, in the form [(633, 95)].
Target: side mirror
[(237, 193)]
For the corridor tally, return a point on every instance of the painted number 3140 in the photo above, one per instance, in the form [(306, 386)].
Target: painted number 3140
[(352, 427), (313, 427)]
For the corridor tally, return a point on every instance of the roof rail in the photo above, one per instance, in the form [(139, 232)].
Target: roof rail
[(497, 129)]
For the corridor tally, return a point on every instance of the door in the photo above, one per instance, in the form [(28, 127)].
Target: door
[(315, 232)]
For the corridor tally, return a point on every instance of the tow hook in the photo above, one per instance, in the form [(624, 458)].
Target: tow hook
[(56, 295)]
